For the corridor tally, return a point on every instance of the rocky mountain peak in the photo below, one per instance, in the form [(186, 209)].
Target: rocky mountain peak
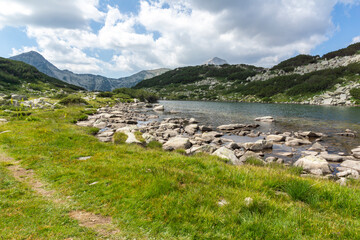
[(216, 61)]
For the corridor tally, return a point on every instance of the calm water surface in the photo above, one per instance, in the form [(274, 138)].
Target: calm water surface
[(289, 117)]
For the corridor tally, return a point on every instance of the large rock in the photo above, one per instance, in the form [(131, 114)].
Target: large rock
[(265, 119), (159, 108), (230, 127), (275, 138), (351, 164), (177, 143), (210, 136), (356, 152), (191, 129), (204, 149), (258, 145), (311, 134), (331, 157), (296, 142), (313, 163), (317, 147), (226, 153)]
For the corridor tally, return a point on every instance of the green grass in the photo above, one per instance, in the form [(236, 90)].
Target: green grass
[(139, 137), (24, 215), (120, 138), (166, 195)]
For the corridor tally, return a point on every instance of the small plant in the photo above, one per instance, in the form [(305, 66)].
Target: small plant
[(81, 117), (254, 161), (92, 130), (120, 138), (154, 145), (73, 100), (139, 137)]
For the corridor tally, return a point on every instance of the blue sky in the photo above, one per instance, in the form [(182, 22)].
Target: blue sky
[(117, 38)]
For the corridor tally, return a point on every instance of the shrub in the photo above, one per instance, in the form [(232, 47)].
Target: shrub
[(120, 138), (73, 100), (92, 130), (355, 93), (105, 94), (139, 137)]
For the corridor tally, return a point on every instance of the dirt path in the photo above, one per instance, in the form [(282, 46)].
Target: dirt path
[(101, 224)]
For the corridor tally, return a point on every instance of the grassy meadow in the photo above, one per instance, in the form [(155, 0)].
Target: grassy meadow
[(153, 194)]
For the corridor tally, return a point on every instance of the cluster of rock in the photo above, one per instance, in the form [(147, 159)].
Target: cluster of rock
[(189, 135), (319, 65), (341, 96), (17, 100)]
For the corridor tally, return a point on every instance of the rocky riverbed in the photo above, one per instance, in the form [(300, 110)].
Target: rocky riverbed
[(303, 148)]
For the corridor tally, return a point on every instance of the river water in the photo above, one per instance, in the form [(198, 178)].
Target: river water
[(289, 117)]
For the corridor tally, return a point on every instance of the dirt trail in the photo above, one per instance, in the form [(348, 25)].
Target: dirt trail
[(101, 224)]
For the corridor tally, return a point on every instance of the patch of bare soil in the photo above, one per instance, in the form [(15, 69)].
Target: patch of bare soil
[(102, 225)]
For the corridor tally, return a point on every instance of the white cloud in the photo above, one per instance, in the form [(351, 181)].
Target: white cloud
[(356, 39), (185, 32)]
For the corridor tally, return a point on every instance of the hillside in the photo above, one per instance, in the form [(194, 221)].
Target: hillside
[(304, 78), (88, 81), (17, 76), (198, 81)]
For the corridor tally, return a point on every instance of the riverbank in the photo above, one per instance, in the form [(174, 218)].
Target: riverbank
[(151, 193)]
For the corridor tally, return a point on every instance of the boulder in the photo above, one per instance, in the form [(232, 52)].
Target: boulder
[(258, 145), (177, 143), (191, 129), (317, 147), (148, 138), (205, 128), (275, 138), (210, 136), (159, 108), (331, 157), (265, 119), (230, 127), (248, 154), (349, 173), (226, 153), (204, 149), (311, 134), (356, 152), (351, 164), (296, 142), (311, 163)]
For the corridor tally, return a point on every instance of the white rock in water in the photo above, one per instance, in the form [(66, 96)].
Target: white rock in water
[(159, 108), (265, 119)]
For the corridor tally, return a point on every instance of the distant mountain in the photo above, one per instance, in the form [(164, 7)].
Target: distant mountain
[(216, 61), (18, 76), (88, 81)]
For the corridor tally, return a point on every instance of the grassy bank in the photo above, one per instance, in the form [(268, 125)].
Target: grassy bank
[(150, 193)]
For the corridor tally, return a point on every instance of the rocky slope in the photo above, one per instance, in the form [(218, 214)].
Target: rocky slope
[(302, 79), (88, 81)]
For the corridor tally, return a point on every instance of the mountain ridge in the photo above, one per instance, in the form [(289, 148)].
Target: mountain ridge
[(88, 81)]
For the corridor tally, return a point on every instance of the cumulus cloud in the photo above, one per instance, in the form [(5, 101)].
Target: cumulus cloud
[(356, 39), (172, 33)]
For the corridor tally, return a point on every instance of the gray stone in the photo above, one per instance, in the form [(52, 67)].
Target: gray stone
[(309, 163), (177, 143), (230, 127), (351, 164), (159, 108), (191, 129), (265, 119), (331, 157), (210, 136), (317, 147), (275, 138), (226, 153)]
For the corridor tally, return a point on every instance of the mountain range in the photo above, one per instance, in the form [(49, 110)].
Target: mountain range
[(88, 81)]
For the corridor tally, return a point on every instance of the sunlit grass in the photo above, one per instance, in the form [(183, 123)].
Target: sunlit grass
[(167, 195)]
